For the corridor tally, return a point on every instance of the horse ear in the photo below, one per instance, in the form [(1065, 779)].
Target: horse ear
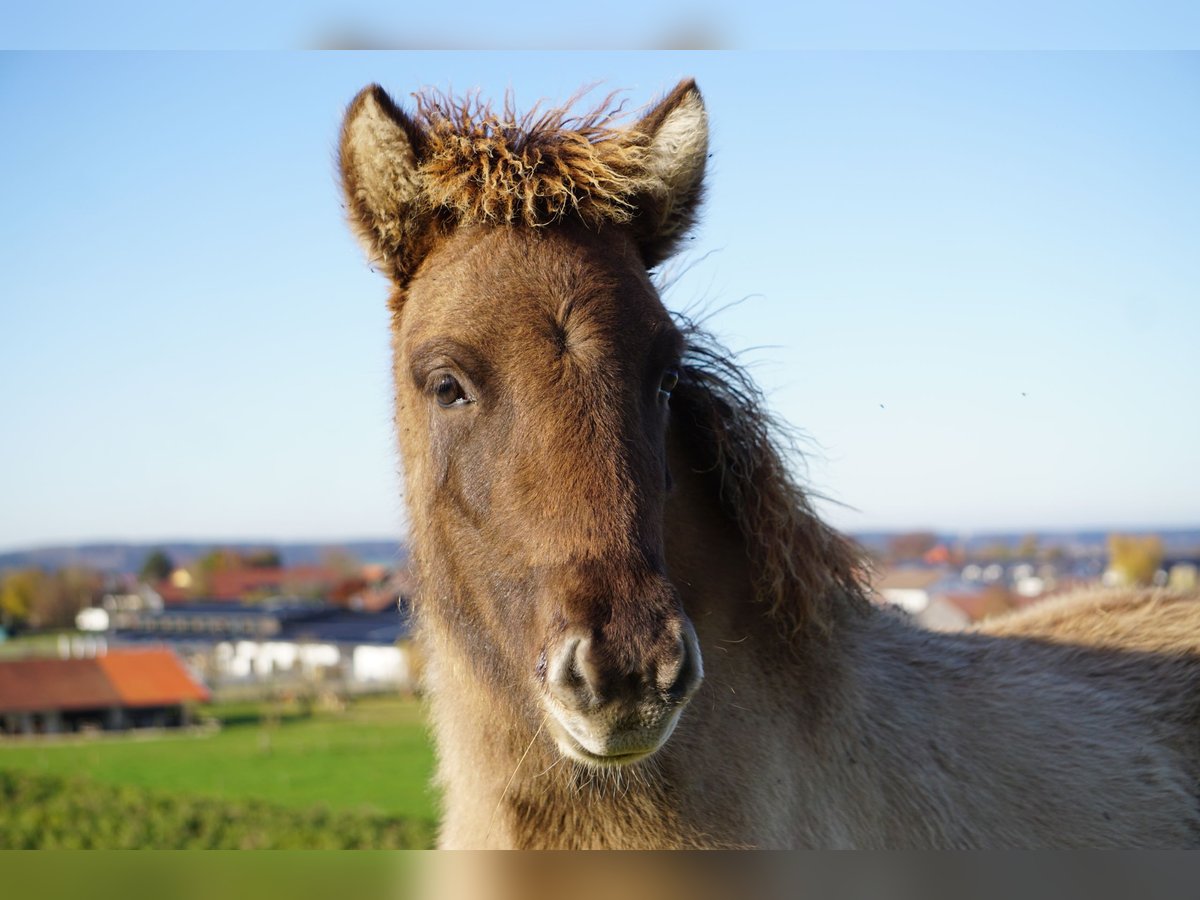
[(676, 131), (379, 156)]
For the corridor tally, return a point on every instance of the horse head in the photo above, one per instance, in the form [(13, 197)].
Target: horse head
[(534, 363)]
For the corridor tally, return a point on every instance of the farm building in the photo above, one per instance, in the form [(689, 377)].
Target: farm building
[(282, 642), (121, 689)]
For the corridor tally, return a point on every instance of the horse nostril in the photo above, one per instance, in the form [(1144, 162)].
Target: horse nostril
[(672, 666), (570, 677), (681, 676), (581, 677)]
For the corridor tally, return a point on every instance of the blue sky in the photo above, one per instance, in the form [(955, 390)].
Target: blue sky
[(973, 280), (469, 24)]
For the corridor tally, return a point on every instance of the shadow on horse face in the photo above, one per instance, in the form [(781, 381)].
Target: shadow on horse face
[(534, 369)]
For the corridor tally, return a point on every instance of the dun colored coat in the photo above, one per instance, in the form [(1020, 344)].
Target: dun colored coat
[(638, 632)]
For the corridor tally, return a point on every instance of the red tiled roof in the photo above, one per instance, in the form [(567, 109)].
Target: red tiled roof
[(234, 584), (35, 685), (127, 678), (150, 678)]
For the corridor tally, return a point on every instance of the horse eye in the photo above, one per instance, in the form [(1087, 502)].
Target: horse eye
[(449, 392), (669, 380)]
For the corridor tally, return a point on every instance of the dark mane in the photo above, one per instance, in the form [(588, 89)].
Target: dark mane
[(804, 569), (483, 166)]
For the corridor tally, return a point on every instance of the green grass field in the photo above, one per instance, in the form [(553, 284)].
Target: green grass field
[(374, 758), (52, 812)]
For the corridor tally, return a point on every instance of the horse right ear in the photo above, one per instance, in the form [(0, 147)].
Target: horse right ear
[(379, 156), (675, 132)]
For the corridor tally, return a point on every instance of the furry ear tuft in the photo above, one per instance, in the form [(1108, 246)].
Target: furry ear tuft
[(379, 157), (409, 179), (676, 134)]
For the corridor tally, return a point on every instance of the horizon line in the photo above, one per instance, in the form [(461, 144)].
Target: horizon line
[(402, 539)]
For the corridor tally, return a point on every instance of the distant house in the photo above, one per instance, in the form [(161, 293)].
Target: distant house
[(281, 641), (129, 688), (926, 595), (908, 588)]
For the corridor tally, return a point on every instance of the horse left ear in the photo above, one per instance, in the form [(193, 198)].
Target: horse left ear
[(379, 157), (676, 134)]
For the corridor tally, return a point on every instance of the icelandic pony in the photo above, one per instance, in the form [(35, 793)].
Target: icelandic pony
[(637, 631)]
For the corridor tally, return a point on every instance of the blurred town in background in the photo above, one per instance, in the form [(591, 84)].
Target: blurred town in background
[(949, 582), (325, 623), (232, 696), (322, 623), (245, 695)]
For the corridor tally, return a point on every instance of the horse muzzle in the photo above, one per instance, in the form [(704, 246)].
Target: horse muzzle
[(604, 711)]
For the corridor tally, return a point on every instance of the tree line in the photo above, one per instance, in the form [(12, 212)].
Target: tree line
[(37, 599)]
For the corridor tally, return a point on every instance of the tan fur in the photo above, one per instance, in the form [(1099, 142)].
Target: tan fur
[(1148, 619), (540, 506), (501, 169), (458, 162)]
